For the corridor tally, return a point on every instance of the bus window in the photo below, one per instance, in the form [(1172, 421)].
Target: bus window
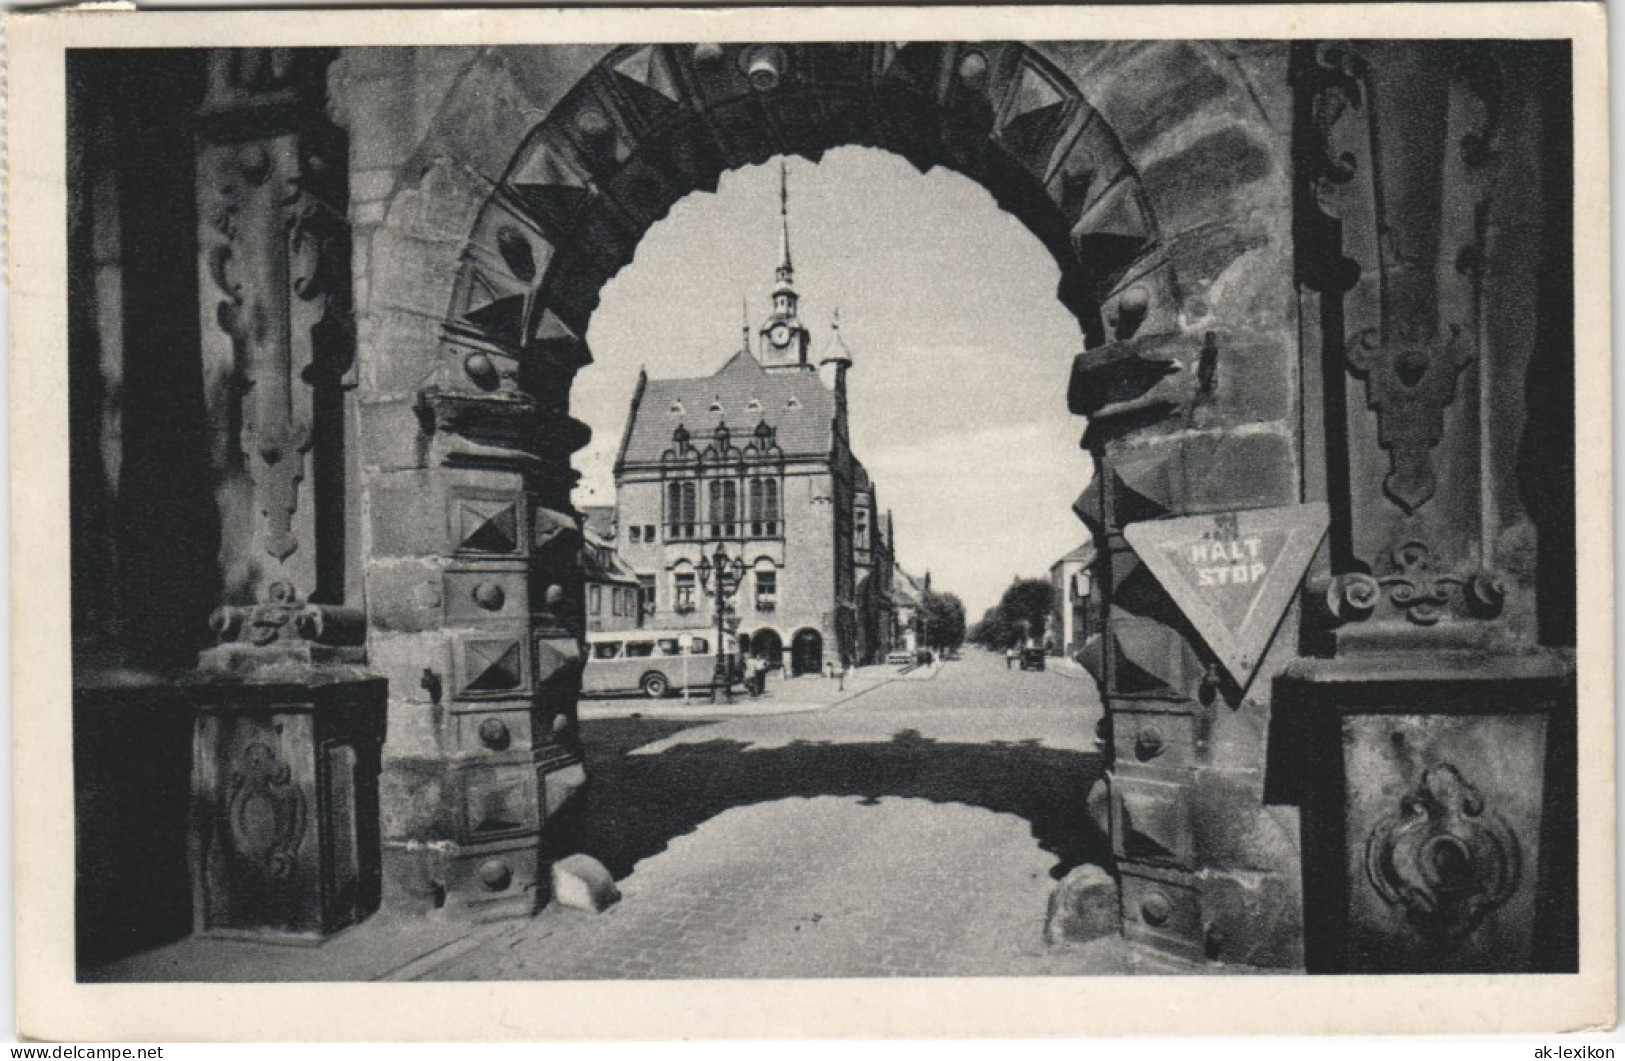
[(669, 646), (639, 649), (606, 650), (698, 646)]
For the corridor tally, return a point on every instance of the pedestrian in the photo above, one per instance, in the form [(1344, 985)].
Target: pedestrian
[(758, 676), (844, 666), (829, 669), (1009, 657)]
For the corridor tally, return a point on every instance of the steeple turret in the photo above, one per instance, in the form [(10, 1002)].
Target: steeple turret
[(836, 351), (784, 342)]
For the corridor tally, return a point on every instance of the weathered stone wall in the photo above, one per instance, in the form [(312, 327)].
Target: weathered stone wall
[(1208, 867)]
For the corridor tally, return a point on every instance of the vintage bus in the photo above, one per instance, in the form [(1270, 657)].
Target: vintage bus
[(654, 662)]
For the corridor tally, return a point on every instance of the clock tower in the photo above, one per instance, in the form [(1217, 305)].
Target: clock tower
[(784, 340)]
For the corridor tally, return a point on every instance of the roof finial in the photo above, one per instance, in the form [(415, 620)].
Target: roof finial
[(744, 323), (784, 220)]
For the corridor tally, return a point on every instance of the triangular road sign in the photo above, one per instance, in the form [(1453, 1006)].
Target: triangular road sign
[(1232, 573)]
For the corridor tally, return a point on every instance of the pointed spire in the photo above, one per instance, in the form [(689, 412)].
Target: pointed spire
[(785, 268), (744, 323), (836, 350)]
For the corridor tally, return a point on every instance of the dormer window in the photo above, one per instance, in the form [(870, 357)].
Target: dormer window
[(677, 408), (754, 406), (716, 405), (793, 403)]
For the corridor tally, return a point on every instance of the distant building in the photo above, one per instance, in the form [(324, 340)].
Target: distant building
[(614, 595), (907, 594), (757, 457), (1069, 622)]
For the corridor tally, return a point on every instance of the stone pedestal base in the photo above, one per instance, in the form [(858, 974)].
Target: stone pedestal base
[(1428, 811), (284, 831)]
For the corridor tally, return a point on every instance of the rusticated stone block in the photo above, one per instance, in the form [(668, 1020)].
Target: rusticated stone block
[(1239, 732), (406, 514), (1160, 87), (404, 596), (392, 437), (417, 667), (1235, 830), (1252, 382), (1252, 919), (398, 350), (1155, 740), (442, 204), (415, 728), (1199, 256), (1145, 302), (560, 789), (1152, 661), (496, 880), (414, 876), (1208, 176), (1130, 375), (410, 272), (415, 801), (1090, 507), (1151, 822), (1082, 907), (1161, 907), (1197, 472)]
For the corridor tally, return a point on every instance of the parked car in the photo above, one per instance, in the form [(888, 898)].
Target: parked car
[(900, 658), (1032, 659)]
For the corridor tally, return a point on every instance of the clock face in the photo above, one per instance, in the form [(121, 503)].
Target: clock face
[(779, 334)]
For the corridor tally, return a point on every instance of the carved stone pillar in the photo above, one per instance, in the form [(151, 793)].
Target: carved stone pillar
[(279, 343), (288, 726), (1424, 180)]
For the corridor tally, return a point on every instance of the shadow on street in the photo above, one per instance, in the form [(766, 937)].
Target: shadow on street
[(637, 804)]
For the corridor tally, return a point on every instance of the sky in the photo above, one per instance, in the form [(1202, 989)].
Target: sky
[(960, 350)]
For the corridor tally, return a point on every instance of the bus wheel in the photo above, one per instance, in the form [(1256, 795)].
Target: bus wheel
[(654, 685)]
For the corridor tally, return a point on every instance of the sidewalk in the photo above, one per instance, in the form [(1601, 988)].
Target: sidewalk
[(1071, 668), (784, 696)]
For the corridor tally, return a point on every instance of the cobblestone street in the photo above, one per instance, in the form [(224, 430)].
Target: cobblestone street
[(914, 830)]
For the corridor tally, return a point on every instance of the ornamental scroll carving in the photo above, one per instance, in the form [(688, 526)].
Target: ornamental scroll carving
[(278, 252), (267, 811), (283, 618), (1445, 859), (1415, 589), (1410, 379)]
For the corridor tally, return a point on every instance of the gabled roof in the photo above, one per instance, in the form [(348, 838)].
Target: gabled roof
[(1085, 553), (615, 570), (905, 588), (741, 394), (600, 520)]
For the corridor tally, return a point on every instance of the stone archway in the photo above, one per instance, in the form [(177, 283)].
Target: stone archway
[(768, 645), (806, 652), (1157, 177)]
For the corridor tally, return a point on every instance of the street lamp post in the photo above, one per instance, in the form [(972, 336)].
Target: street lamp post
[(720, 576)]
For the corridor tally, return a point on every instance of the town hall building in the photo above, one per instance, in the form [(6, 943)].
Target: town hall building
[(757, 457)]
